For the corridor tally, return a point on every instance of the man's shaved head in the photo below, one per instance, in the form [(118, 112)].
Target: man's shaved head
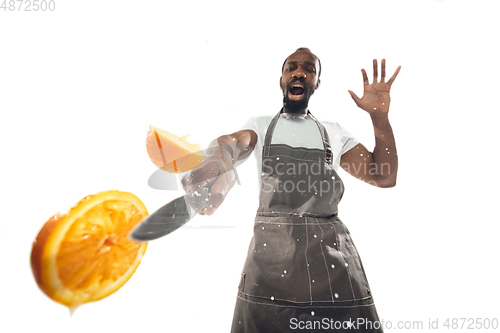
[(303, 49)]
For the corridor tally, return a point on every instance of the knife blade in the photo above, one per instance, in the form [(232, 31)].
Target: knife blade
[(170, 217)]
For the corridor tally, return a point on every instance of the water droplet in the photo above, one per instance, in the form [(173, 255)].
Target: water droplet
[(211, 205), (315, 236), (374, 108), (346, 264), (336, 295), (284, 271), (312, 313), (333, 177), (272, 298), (277, 158), (333, 266), (388, 152), (360, 154), (88, 198), (312, 281), (297, 239), (282, 275), (383, 103), (335, 244)]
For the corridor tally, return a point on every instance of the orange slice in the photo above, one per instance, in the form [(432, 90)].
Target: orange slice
[(172, 153), (84, 255)]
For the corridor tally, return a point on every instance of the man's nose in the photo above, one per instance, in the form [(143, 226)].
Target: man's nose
[(299, 74)]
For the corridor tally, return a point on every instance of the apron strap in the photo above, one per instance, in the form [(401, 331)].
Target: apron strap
[(324, 136), (326, 139), (269, 135)]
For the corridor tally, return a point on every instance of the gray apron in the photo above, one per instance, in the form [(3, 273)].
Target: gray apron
[(302, 270)]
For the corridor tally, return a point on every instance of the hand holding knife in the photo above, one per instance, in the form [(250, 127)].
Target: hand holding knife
[(215, 175)]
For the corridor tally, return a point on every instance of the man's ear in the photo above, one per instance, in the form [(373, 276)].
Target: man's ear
[(280, 83), (317, 85)]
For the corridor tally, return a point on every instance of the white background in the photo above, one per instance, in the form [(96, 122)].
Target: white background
[(79, 87)]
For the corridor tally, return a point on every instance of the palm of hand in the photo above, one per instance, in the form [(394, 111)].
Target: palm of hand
[(376, 96)]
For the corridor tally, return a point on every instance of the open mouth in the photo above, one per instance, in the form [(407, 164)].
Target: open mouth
[(296, 91)]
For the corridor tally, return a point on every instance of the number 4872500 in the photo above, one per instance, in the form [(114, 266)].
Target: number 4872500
[(28, 5)]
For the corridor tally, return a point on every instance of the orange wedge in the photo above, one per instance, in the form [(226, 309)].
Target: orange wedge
[(84, 255), (172, 153)]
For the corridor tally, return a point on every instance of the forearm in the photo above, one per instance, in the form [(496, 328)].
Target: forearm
[(239, 144), (385, 156)]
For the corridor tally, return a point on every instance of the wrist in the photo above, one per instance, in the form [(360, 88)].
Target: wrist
[(379, 118), (221, 151)]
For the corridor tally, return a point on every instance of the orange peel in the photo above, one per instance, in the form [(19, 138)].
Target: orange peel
[(84, 255)]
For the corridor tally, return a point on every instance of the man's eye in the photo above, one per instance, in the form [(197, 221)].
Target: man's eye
[(312, 70)]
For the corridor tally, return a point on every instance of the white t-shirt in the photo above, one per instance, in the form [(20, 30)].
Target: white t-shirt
[(301, 131)]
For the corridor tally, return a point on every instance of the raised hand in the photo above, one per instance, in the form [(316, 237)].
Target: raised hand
[(376, 97)]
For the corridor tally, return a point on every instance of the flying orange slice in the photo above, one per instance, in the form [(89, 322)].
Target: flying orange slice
[(172, 153), (84, 255)]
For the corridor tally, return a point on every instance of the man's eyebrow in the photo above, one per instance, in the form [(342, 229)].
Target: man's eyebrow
[(295, 63)]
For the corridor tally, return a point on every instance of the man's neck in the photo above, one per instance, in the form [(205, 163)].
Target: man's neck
[(301, 112)]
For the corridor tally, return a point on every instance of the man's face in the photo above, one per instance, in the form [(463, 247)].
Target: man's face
[(299, 79)]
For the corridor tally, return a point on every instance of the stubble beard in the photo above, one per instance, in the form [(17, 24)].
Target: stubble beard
[(295, 106)]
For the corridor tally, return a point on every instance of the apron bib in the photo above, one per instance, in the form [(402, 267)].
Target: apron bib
[(301, 262)]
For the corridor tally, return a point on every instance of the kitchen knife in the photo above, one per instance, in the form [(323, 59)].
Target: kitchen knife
[(170, 217)]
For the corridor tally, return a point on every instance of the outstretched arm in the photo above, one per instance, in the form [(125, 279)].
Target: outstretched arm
[(216, 171), (380, 167)]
